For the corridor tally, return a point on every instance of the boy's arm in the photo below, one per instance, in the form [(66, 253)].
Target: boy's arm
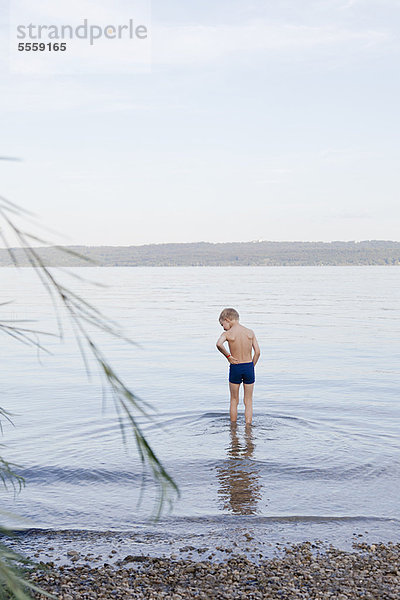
[(256, 349), (220, 345)]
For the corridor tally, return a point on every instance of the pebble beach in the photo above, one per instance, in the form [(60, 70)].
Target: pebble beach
[(306, 571)]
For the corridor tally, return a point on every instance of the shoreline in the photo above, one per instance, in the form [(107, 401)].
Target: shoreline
[(200, 539), (307, 570)]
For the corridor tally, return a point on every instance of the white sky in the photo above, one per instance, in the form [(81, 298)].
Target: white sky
[(264, 119)]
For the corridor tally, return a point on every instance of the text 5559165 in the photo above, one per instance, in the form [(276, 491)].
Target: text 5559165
[(42, 46)]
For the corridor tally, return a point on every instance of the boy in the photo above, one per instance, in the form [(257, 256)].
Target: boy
[(241, 341)]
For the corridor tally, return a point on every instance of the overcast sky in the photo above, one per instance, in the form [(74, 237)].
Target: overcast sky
[(264, 119)]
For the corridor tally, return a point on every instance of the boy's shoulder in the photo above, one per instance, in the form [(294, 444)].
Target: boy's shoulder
[(247, 330)]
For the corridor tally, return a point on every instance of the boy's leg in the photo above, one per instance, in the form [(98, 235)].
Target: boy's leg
[(234, 390), (248, 402)]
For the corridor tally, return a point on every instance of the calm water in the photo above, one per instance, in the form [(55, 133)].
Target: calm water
[(322, 459)]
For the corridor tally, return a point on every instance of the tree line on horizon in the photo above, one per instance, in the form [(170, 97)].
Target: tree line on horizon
[(262, 253)]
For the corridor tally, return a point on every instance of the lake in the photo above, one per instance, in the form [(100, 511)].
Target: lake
[(320, 462)]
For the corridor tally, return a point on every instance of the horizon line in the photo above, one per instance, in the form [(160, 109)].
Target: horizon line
[(54, 245)]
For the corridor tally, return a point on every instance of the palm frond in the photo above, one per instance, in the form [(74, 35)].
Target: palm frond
[(13, 582), (82, 313), (8, 475)]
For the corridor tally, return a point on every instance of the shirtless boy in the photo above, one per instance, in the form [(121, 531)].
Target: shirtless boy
[(241, 342)]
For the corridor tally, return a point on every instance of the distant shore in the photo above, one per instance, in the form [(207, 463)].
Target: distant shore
[(206, 254), (302, 571)]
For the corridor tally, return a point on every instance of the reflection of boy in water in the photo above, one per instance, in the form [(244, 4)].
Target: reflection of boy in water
[(241, 342), (240, 488)]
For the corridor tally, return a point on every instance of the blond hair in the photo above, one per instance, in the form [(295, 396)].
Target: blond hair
[(229, 313)]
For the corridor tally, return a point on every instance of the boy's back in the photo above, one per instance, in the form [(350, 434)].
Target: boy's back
[(240, 342)]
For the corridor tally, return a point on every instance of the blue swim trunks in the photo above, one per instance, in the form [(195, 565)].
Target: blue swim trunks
[(242, 372)]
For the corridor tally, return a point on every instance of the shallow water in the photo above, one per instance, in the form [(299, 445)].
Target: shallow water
[(322, 458)]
